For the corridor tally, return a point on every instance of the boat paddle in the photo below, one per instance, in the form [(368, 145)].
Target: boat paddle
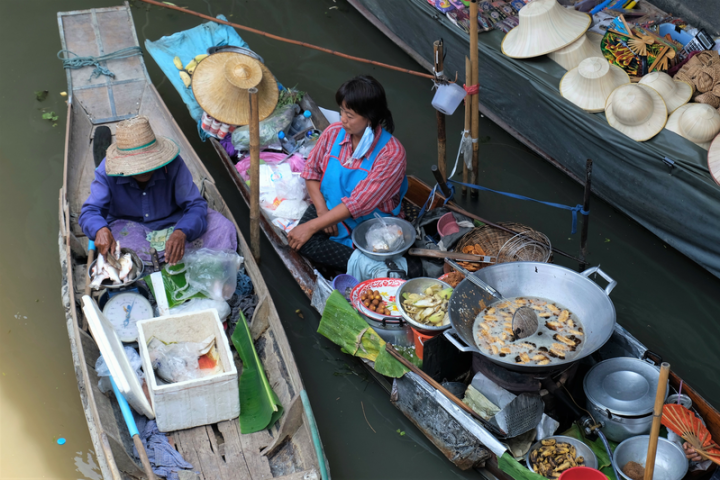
[(132, 428)]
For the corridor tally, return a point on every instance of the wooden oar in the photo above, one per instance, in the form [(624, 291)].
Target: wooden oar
[(391, 350), (464, 257), (657, 419)]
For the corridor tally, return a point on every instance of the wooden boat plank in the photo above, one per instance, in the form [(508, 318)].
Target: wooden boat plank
[(91, 350), (233, 452), (305, 475), (252, 445)]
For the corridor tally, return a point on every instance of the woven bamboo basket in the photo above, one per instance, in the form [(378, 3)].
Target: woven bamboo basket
[(491, 240)]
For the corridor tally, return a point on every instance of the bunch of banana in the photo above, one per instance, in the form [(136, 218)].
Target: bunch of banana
[(187, 70), (553, 458)]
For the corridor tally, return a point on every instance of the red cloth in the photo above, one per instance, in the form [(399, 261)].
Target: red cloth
[(381, 188)]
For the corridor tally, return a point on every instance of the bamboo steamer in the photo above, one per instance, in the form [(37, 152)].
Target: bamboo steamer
[(590, 84)]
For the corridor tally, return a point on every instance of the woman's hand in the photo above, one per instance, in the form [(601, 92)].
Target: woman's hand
[(175, 247), (331, 230), (299, 235), (691, 454), (104, 241)]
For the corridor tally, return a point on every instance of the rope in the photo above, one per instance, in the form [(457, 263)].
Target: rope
[(472, 89), (80, 62), (287, 40)]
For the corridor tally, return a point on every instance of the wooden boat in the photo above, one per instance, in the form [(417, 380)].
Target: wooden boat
[(455, 433), (285, 451)]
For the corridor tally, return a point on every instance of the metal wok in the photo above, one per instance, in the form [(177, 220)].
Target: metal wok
[(573, 290)]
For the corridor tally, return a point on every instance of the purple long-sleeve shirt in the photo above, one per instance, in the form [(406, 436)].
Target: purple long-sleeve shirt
[(170, 198)]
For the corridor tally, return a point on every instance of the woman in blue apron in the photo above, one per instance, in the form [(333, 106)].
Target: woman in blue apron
[(356, 169)]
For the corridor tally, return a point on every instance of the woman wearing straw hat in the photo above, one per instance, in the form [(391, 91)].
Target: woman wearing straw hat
[(356, 169), (143, 195)]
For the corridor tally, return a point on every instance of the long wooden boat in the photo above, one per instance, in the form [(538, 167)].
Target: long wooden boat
[(461, 438), (285, 451)]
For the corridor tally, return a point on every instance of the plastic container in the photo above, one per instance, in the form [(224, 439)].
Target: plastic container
[(447, 225), (191, 403), (300, 123), (582, 473), (448, 97), (419, 340), (287, 142), (343, 282)]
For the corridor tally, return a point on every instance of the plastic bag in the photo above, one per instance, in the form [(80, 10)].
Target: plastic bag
[(178, 362), (279, 120), (291, 209), (213, 272), (199, 304), (384, 237), (103, 371)]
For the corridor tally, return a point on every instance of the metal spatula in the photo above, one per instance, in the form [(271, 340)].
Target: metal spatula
[(524, 321)]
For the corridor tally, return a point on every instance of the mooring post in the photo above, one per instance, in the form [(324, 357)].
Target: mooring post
[(476, 97), (585, 218), (254, 174), (441, 139)]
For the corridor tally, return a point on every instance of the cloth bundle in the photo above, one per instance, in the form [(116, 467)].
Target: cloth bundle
[(702, 72)]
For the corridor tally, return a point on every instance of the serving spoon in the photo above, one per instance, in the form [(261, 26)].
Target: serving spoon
[(524, 320)]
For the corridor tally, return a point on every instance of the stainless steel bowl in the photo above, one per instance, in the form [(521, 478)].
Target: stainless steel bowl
[(358, 238), (582, 450), (419, 285), (138, 269), (670, 461)]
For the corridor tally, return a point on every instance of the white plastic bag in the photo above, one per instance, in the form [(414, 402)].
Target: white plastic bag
[(291, 209), (384, 237), (213, 272), (177, 362), (103, 371), (199, 304)]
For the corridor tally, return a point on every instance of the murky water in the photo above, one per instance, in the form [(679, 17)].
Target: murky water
[(663, 298)]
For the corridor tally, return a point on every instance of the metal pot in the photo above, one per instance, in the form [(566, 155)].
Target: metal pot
[(573, 290), (621, 395), (419, 285), (392, 329), (358, 238)]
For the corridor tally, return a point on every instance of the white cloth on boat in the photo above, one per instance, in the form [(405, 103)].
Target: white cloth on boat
[(364, 268)]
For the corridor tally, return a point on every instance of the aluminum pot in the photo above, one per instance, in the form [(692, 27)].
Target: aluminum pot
[(419, 285), (621, 395), (670, 461), (573, 290), (358, 238), (393, 330)]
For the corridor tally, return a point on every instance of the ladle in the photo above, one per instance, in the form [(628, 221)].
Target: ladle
[(524, 320)]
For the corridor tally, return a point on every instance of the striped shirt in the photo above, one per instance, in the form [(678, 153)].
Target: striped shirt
[(381, 188)]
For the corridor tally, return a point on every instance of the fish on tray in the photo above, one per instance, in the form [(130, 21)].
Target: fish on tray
[(116, 268)]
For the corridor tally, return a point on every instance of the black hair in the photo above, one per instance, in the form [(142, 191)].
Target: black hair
[(365, 96)]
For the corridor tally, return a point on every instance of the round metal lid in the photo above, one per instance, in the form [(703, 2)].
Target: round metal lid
[(623, 385)]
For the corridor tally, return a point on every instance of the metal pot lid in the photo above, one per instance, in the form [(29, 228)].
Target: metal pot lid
[(623, 385)]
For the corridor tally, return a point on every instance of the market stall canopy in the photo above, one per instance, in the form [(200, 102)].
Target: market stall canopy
[(697, 122), (571, 56), (545, 26), (675, 93), (638, 111), (589, 85)]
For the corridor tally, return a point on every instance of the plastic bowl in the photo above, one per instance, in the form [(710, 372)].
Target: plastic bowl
[(358, 238), (447, 225), (582, 450), (582, 473), (419, 285), (344, 281), (670, 461)]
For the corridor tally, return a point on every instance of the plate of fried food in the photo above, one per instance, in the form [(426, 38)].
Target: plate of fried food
[(375, 298)]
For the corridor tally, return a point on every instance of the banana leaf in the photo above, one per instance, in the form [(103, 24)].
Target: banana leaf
[(517, 471), (604, 463), (342, 325), (260, 407), (174, 283)]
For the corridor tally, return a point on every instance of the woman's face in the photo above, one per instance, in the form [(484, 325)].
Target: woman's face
[(352, 122)]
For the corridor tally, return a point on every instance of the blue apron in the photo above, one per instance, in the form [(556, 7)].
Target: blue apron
[(339, 181)]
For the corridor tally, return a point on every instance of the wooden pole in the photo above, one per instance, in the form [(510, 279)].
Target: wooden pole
[(585, 218), (254, 174), (442, 141), (474, 64), (468, 119), (657, 417)]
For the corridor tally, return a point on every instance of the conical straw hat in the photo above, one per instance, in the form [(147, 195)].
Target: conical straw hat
[(698, 122), (137, 150), (636, 110), (571, 56), (545, 26), (714, 159), (590, 84), (674, 92), (221, 82)]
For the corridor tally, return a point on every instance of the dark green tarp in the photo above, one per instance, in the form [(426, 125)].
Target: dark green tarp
[(680, 204)]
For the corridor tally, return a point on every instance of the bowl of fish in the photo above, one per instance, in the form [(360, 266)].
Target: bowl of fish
[(423, 303), (551, 456), (115, 270), (384, 238)]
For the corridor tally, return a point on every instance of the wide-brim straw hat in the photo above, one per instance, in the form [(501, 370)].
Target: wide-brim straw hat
[(590, 84), (544, 26), (571, 56), (714, 159), (636, 110), (221, 82), (138, 150), (697, 122), (675, 93)]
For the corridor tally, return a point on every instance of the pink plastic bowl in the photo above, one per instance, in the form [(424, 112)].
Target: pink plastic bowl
[(447, 225), (582, 473)]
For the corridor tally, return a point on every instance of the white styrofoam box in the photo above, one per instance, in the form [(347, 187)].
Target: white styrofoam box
[(191, 403)]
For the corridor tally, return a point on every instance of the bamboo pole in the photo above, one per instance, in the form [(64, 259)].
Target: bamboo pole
[(442, 140), (475, 98), (585, 218), (657, 418), (468, 119), (254, 174)]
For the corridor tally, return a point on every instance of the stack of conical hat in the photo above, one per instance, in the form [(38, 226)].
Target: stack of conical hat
[(544, 26), (636, 110), (675, 93), (571, 56), (590, 84), (697, 122), (714, 159)]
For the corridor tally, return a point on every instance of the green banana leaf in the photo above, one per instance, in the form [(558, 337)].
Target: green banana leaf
[(173, 283), (260, 407), (342, 325), (604, 463), (517, 471)]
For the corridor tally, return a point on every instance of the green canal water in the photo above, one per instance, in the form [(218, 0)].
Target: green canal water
[(664, 299)]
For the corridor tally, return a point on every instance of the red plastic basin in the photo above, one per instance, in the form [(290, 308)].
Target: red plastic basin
[(582, 473)]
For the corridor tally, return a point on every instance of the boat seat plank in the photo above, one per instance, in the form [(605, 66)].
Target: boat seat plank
[(252, 445), (194, 444), (232, 451), (304, 475)]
